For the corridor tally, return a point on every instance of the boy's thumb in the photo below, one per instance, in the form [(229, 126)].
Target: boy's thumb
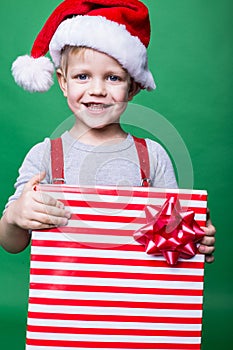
[(35, 180)]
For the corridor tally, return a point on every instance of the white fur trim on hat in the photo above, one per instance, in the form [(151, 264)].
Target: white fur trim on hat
[(33, 74), (106, 36)]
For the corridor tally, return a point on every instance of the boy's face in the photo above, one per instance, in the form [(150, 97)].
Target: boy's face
[(97, 89)]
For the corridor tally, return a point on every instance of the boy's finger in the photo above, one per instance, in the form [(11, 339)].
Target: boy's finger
[(35, 180), (47, 222), (51, 210), (209, 241), (60, 205), (209, 258), (210, 230), (204, 249), (46, 199)]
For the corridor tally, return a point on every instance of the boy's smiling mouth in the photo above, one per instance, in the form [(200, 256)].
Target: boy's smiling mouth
[(93, 106)]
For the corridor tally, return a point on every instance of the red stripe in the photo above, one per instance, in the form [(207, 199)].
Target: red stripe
[(120, 275), (197, 210), (85, 245), (108, 218), (116, 304), (114, 261), (116, 331), (111, 345), (119, 192), (201, 222), (123, 206), (114, 318), (103, 205), (115, 289), (94, 231), (89, 245)]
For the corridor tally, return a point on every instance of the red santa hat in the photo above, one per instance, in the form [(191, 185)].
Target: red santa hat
[(119, 28)]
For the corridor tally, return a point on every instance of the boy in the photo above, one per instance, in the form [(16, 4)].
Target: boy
[(99, 50)]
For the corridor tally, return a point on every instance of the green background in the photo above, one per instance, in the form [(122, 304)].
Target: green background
[(190, 56)]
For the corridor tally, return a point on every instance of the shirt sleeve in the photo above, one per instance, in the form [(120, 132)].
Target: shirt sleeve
[(162, 171), (36, 161)]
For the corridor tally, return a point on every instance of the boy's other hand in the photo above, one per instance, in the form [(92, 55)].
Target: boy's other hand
[(35, 210), (207, 243)]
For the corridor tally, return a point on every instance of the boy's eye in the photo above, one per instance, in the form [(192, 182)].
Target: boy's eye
[(82, 76), (113, 78)]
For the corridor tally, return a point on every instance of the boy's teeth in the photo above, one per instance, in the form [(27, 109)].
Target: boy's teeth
[(95, 106)]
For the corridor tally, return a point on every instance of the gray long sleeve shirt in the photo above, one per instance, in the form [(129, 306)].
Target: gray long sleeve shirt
[(108, 164)]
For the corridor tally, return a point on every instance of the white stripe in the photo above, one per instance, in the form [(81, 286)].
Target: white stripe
[(92, 210), (116, 282), (113, 325), (87, 237), (74, 310), (115, 296), (111, 224), (73, 237), (100, 198), (104, 253), (39, 347), (192, 204), (104, 225), (116, 268), (79, 224), (200, 217), (113, 338), (107, 212)]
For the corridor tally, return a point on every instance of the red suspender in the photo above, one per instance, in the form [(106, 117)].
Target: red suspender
[(57, 162), (144, 161)]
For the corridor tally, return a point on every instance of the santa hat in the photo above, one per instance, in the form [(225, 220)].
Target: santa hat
[(119, 28)]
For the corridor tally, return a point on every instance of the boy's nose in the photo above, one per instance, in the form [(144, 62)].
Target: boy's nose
[(97, 87)]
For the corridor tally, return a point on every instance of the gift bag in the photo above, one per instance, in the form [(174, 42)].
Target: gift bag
[(123, 274)]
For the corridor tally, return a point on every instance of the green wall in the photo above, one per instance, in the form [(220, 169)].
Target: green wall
[(191, 58)]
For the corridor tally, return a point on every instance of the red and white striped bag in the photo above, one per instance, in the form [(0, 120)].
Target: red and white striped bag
[(92, 285)]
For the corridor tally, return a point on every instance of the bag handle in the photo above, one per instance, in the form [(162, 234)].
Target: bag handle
[(57, 162)]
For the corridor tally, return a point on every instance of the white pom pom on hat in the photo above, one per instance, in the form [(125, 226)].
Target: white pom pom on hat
[(119, 28), (33, 74)]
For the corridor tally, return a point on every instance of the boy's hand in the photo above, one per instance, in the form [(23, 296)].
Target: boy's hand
[(207, 243), (35, 210)]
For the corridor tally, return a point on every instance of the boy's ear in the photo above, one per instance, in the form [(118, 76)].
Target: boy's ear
[(134, 88), (62, 81)]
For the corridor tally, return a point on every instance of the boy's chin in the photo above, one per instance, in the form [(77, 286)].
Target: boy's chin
[(104, 126)]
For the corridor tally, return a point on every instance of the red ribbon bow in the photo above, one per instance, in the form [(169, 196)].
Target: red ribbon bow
[(170, 232)]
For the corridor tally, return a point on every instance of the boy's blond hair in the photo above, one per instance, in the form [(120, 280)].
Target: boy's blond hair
[(73, 50), (66, 52)]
